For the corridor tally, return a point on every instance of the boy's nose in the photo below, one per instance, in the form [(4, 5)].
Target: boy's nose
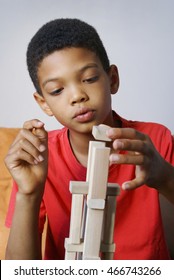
[(78, 96)]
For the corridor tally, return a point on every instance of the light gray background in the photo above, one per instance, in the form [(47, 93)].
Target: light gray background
[(139, 38)]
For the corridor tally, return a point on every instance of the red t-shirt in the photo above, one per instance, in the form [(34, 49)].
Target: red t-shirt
[(138, 229)]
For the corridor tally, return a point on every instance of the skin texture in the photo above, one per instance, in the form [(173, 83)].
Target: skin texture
[(77, 92)]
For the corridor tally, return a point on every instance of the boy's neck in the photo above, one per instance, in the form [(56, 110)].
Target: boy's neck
[(79, 145)]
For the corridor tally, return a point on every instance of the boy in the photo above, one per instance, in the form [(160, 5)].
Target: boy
[(74, 81)]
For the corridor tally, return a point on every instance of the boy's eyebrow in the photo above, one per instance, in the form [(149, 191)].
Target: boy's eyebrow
[(49, 80), (83, 69), (91, 65)]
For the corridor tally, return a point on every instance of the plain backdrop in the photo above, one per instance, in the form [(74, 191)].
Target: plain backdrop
[(138, 36)]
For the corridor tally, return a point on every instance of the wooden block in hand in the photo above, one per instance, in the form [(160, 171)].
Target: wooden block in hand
[(99, 132)]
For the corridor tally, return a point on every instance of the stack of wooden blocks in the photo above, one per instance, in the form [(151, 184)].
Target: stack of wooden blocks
[(93, 206)]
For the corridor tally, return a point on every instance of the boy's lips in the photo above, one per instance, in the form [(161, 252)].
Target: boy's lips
[(84, 115)]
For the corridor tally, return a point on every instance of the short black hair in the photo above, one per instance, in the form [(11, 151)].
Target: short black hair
[(59, 34)]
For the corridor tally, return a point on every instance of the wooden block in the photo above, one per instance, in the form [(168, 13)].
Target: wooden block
[(77, 187), (76, 218), (92, 145), (96, 203), (109, 219), (99, 132), (108, 248), (84, 218), (109, 223), (97, 190), (81, 187), (92, 240), (70, 255), (113, 189), (99, 173), (73, 247), (91, 258)]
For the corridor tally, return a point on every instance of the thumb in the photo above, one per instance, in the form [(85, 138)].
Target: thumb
[(37, 128), (41, 133), (130, 185)]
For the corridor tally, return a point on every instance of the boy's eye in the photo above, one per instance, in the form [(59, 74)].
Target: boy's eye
[(91, 80), (56, 92)]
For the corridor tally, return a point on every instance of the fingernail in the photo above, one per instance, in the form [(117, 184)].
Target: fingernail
[(114, 158), (40, 158), (40, 123), (125, 186), (109, 132), (42, 148), (119, 145)]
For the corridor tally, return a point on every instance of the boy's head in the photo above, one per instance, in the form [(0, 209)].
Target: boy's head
[(60, 34)]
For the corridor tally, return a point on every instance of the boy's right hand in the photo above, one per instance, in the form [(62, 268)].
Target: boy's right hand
[(27, 158)]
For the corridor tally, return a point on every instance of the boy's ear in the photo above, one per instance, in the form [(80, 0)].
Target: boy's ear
[(42, 103), (114, 79)]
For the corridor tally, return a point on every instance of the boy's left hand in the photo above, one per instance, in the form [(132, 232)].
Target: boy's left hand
[(140, 151)]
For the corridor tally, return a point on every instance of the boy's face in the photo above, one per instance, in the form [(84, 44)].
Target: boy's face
[(76, 89)]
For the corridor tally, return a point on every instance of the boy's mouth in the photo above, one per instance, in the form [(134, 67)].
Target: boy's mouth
[(84, 115)]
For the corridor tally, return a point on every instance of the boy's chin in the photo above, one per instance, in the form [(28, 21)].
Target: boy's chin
[(83, 128)]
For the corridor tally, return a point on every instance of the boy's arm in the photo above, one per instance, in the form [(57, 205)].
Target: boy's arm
[(24, 240), (151, 168), (27, 162), (167, 210)]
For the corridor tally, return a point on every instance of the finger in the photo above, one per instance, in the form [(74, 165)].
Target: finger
[(14, 160), (130, 185), (26, 136), (136, 159), (31, 126), (130, 145), (37, 128), (28, 147), (125, 133), (38, 138)]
